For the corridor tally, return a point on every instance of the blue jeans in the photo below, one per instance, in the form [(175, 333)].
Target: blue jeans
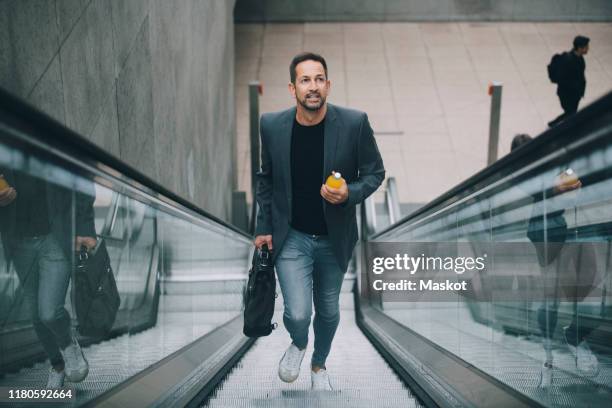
[(44, 274), (307, 270)]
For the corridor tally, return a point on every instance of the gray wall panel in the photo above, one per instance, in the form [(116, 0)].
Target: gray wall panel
[(358, 8), (549, 10), (127, 17), (410, 9), (48, 94), (164, 48), (594, 8), (135, 106), (292, 10), (150, 81), (29, 41), (251, 9), (421, 10), (87, 67), (106, 131), (68, 13)]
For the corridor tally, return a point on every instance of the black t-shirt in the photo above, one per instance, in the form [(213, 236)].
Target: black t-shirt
[(307, 177)]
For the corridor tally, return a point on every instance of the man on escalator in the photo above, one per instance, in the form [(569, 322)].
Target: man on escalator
[(39, 236), (310, 226)]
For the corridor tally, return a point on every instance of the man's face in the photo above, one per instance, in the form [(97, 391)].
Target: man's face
[(311, 85), (583, 50)]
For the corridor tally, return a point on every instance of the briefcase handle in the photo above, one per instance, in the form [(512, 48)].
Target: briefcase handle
[(83, 254), (265, 256)]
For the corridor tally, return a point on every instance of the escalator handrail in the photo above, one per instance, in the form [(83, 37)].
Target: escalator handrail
[(47, 131), (551, 140), (392, 200)]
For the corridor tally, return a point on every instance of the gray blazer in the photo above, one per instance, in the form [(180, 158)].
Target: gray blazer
[(349, 148)]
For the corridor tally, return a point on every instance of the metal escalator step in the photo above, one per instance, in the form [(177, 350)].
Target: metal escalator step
[(359, 375), (201, 302), (314, 402), (114, 361), (357, 393)]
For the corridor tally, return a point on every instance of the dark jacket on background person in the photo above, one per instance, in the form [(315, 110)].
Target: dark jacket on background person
[(349, 148), (572, 82)]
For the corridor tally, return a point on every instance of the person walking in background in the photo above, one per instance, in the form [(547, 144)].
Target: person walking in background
[(567, 71), (310, 226)]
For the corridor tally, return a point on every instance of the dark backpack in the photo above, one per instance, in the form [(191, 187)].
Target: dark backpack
[(96, 296), (259, 295), (555, 68)]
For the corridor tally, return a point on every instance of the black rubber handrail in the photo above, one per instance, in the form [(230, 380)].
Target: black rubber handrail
[(35, 124)]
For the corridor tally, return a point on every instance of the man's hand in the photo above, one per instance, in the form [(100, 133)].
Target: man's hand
[(7, 196), (335, 195), (87, 242), (263, 239)]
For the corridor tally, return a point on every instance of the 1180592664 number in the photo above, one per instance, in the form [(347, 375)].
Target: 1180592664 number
[(30, 394)]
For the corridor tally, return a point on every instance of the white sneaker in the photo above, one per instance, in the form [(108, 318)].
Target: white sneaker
[(586, 361), (320, 380), (546, 375), (56, 380), (76, 366), (289, 366)]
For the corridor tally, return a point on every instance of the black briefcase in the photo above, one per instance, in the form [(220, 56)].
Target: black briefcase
[(96, 296), (259, 295)]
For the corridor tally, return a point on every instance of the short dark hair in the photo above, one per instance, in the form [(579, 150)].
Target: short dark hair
[(581, 41), (520, 140), (305, 56)]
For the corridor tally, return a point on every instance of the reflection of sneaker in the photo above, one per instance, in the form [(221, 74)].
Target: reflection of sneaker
[(546, 375), (56, 380), (586, 361), (76, 366), (289, 366), (320, 380)]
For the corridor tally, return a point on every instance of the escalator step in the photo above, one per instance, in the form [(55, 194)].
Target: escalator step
[(358, 374)]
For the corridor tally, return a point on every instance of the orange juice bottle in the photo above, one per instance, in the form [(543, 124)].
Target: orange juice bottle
[(569, 178), (3, 184), (334, 180)]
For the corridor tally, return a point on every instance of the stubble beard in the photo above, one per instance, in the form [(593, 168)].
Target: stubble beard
[(312, 108)]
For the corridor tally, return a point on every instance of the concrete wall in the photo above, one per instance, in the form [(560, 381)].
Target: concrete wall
[(150, 81), (422, 10)]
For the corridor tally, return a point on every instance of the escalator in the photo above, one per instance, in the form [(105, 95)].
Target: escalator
[(177, 340), (179, 271)]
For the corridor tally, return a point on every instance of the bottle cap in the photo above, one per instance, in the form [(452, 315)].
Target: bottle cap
[(337, 175)]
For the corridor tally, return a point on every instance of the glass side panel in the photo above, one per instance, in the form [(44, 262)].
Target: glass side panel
[(539, 316), (178, 275)]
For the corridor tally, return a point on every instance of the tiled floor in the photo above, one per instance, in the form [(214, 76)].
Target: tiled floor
[(423, 85)]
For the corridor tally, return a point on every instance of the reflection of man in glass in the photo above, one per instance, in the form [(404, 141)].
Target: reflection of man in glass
[(568, 270), (36, 223)]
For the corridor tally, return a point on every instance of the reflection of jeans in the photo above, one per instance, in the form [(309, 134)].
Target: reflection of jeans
[(576, 331), (307, 268), (44, 273), (569, 275)]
